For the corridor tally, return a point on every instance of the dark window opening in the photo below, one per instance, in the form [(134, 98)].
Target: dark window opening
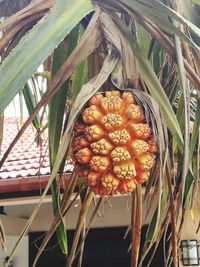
[(105, 247)]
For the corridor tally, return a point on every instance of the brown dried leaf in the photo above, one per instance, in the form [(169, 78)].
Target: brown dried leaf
[(2, 236), (136, 223), (34, 7), (15, 28), (127, 74)]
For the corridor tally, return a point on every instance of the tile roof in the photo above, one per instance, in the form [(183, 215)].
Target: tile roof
[(28, 158)]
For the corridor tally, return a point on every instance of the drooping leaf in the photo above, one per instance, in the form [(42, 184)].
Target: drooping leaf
[(30, 104), (37, 45), (185, 111), (55, 124), (190, 178), (33, 7), (85, 94), (2, 237), (195, 131), (190, 12), (188, 190), (87, 91), (156, 58), (163, 9), (92, 218), (149, 77), (79, 77), (79, 227), (91, 40), (136, 222), (143, 38), (160, 18), (64, 207), (57, 103)]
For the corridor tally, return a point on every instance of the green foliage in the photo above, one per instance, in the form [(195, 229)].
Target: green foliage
[(196, 2), (37, 45), (30, 104), (143, 43)]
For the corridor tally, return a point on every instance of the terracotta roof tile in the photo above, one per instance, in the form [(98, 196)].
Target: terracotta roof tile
[(27, 159)]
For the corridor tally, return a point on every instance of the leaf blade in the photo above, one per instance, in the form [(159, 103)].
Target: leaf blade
[(63, 18), (152, 82)]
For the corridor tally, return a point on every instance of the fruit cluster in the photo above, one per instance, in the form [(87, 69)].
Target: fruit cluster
[(113, 146)]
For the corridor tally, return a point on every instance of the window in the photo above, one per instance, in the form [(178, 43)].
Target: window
[(190, 252)]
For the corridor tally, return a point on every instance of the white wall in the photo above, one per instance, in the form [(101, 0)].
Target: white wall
[(191, 225), (113, 212), (21, 257)]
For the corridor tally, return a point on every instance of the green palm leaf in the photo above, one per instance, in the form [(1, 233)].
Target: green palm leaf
[(153, 84), (37, 45)]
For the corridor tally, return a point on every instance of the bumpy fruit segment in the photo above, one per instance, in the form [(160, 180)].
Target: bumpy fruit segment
[(113, 145)]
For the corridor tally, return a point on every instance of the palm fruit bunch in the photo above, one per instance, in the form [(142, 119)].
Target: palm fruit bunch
[(113, 147)]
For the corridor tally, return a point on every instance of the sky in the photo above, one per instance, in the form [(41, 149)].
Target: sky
[(13, 109)]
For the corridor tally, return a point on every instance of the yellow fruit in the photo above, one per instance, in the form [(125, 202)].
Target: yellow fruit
[(119, 154), (134, 113), (102, 147), (110, 94), (95, 100), (93, 178), (80, 142), (128, 98), (139, 147), (84, 155), (140, 130), (125, 170), (120, 137), (112, 104), (100, 190), (92, 115), (110, 182), (142, 176), (99, 163), (112, 121), (94, 133), (127, 186), (146, 162), (113, 146)]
